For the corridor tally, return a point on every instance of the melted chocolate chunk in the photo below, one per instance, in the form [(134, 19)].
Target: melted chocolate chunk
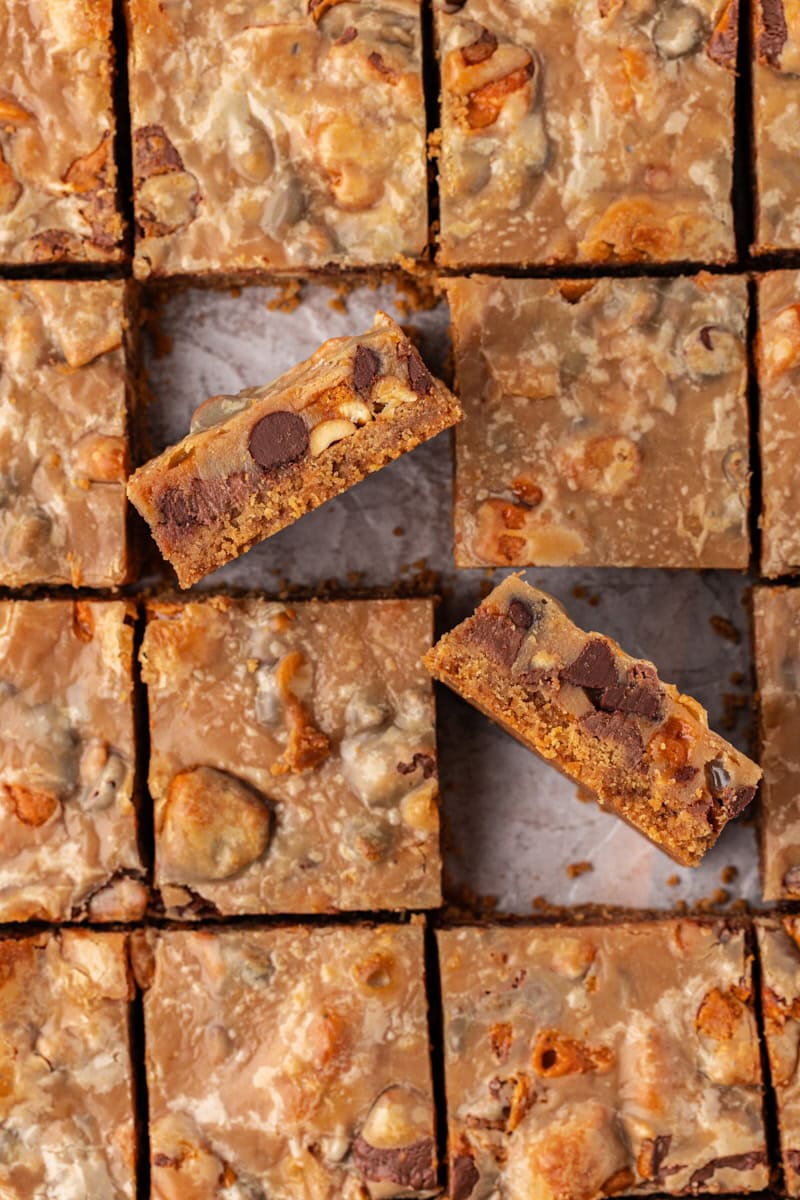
[(593, 668), (200, 501), (366, 369), (154, 153), (724, 41), (639, 695), (496, 634), (463, 1177), (657, 1150), (408, 1167), (737, 799), (685, 773), (773, 33), (278, 439), (733, 1162), (377, 62), (349, 35), (424, 762), (481, 49), (717, 777), (520, 614), (535, 677), (615, 727), (420, 379)]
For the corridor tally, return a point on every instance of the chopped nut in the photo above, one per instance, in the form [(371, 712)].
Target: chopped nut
[(712, 350), (216, 410), (31, 807), (212, 827), (12, 113), (104, 773), (167, 202), (328, 432), (86, 174), (101, 458), (607, 465), (371, 762), (419, 809), (678, 30)]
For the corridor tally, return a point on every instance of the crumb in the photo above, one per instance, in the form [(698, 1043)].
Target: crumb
[(681, 906), (287, 298), (736, 678), (739, 905), (579, 591), (485, 587), (235, 292), (417, 290), (728, 874), (673, 881), (398, 531), (706, 903), (578, 868), (594, 600), (338, 304), (725, 629), (733, 705), (584, 794), (434, 143)]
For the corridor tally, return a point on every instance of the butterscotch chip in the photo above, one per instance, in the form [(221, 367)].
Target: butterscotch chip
[(777, 646), (265, 1062), (605, 428), (778, 359), (604, 1038), (776, 105), (255, 462), (68, 837), (604, 719), (592, 132), (64, 452), (293, 756), (312, 151), (778, 942), (58, 176), (66, 1081)]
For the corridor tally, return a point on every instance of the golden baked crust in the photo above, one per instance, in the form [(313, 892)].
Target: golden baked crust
[(606, 422), (778, 356), (599, 716), (66, 1094), (276, 135), (293, 755), (290, 1062), (776, 122), (68, 844), (565, 131), (255, 462), (64, 449), (58, 176), (587, 1062)]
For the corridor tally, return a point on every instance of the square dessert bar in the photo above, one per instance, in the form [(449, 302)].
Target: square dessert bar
[(276, 135), (602, 718), (590, 132), (58, 175), (68, 835), (588, 1062), (778, 354), (293, 755), (64, 439), (67, 1090), (289, 1062), (776, 103), (585, 401), (779, 952), (255, 462), (776, 614)]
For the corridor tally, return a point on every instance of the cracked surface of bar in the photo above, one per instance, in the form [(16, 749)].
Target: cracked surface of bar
[(602, 718), (255, 462), (68, 836), (289, 1062), (574, 1055), (293, 756), (606, 422)]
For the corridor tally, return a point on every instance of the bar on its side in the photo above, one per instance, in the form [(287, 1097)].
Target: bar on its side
[(590, 1062), (779, 952), (604, 719), (778, 357), (255, 462)]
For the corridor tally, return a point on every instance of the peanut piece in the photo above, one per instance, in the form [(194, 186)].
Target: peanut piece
[(326, 433)]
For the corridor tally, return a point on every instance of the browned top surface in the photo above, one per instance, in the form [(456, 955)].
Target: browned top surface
[(779, 428), (776, 88)]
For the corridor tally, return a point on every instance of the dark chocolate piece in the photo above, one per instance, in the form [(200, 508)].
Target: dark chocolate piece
[(593, 668), (408, 1167), (366, 369), (278, 439)]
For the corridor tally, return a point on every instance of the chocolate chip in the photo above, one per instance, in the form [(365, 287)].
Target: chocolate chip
[(724, 41), (738, 801), (593, 668), (685, 773), (424, 762), (463, 1177), (407, 1167), (536, 677), (480, 50), (717, 777), (349, 35), (520, 614), (200, 501), (791, 881), (793, 1159), (496, 634), (639, 695), (616, 728), (154, 153), (377, 62), (773, 34), (278, 439), (730, 1162), (366, 369), (420, 379), (163, 1160), (705, 337), (656, 1149)]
